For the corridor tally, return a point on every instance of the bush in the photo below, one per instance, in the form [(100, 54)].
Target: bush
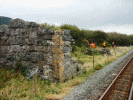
[(99, 66), (107, 44)]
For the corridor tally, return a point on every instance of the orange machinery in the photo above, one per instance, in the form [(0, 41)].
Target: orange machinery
[(92, 45)]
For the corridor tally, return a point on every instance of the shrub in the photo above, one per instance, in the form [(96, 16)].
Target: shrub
[(107, 44), (98, 66)]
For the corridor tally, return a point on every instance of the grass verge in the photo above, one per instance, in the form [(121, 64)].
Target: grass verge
[(13, 85)]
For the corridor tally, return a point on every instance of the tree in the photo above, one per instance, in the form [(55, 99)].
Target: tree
[(99, 36)]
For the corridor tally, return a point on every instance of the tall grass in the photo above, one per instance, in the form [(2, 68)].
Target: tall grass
[(13, 85)]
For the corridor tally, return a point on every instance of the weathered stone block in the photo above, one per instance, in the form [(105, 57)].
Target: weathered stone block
[(40, 42), (17, 32), (12, 32), (3, 29), (46, 67), (49, 61), (67, 43), (44, 77), (33, 34), (67, 38), (11, 40), (18, 40), (51, 31), (31, 25), (11, 48), (16, 48), (23, 31), (47, 37), (66, 49), (43, 49), (74, 60), (47, 72), (41, 63), (4, 49), (60, 33), (32, 48), (54, 38), (51, 43), (46, 49), (46, 28), (82, 69), (8, 32), (67, 74), (66, 32), (60, 43), (39, 48), (41, 31), (9, 64), (42, 56), (25, 48), (40, 37), (5, 37), (58, 56), (3, 61), (35, 56), (26, 57), (17, 23), (31, 41), (25, 63), (10, 58), (57, 61), (3, 42), (2, 55), (67, 55), (66, 63), (57, 64)]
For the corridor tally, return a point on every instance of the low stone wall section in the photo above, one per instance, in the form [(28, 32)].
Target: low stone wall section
[(32, 44)]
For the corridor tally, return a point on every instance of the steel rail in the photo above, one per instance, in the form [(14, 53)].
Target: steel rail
[(111, 85), (131, 93)]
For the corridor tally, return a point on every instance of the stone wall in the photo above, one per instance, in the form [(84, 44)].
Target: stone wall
[(50, 50)]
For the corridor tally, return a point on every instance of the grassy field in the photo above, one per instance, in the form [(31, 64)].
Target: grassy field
[(13, 86)]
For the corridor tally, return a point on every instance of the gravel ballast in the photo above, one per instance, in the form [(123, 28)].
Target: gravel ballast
[(97, 83)]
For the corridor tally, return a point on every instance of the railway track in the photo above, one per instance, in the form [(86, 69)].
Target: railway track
[(122, 86)]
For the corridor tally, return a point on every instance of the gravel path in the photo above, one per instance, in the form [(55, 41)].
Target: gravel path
[(97, 83)]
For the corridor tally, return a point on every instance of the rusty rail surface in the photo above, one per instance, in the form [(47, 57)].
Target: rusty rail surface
[(121, 87)]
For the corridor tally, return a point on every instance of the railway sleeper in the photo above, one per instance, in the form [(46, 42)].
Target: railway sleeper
[(117, 95), (124, 82), (122, 88)]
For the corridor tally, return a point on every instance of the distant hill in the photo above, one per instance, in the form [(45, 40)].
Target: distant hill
[(4, 20)]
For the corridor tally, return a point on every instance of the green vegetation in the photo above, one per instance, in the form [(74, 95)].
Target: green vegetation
[(98, 66), (13, 85), (97, 36), (4, 20)]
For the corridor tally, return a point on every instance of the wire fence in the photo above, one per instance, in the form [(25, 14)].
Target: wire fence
[(30, 72)]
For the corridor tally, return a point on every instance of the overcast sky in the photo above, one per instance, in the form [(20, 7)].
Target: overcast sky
[(105, 15)]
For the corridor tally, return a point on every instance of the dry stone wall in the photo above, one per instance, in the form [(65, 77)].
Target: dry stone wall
[(50, 50)]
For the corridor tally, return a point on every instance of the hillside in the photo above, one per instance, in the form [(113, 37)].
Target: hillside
[(4, 20)]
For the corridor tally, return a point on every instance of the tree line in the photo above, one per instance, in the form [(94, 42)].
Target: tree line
[(98, 36)]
